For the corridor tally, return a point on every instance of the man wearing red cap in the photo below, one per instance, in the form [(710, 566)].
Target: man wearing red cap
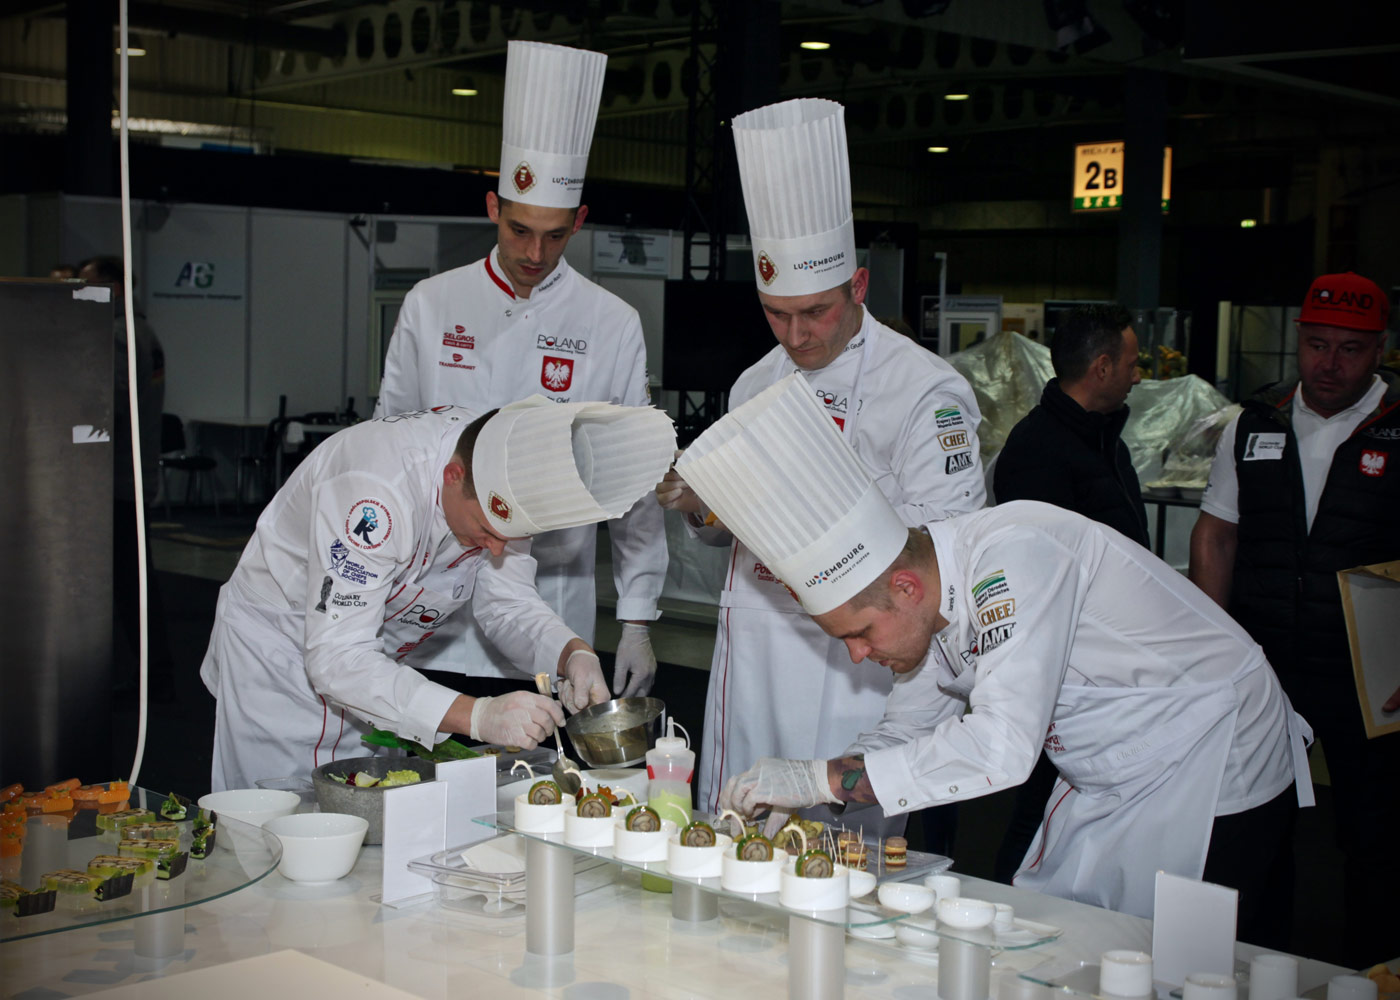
[(1306, 482)]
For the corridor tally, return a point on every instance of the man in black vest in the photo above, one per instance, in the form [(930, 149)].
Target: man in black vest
[(1069, 451), (1305, 483)]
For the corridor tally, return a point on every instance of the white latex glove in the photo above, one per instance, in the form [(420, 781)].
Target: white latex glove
[(518, 719), (634, 670), (673, 493), (777, 783), (583, 683)]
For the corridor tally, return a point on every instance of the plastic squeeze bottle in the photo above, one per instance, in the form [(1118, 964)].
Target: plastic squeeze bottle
[(670, 767)]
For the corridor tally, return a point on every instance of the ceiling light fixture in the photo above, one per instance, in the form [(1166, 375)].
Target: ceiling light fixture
[(1248, 223), (956, 97), (815, 46), (938, 149), (464, 91)]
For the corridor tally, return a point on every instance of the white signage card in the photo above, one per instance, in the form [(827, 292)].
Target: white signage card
[(630, 252), (415, 825), (1098, 176), (1193, 928), (471, 792)]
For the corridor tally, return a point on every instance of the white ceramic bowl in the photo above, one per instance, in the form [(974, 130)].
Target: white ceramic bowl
[(751, 876), (861, 882), (966, 914), (922, 938), (697, 862), (254, 806), (800, 893), (588, 831), (540, 819), (1005, 919), (944, 886), (905, 896), (641, 845), (318, 847)]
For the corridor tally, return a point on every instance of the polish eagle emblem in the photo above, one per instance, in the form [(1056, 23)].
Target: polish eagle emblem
[(767, 270), (1373, 462), (556, 374), (523, 178)]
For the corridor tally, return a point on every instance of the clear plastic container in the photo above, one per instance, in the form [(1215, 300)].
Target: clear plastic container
[(670, 767)]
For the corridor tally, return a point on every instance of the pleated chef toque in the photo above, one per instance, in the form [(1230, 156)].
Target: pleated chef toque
[(551, 105), (540, 465), (781, 477), (797, 191)]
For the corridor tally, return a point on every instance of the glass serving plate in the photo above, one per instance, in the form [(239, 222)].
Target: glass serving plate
[(863, 913), (71, 841)]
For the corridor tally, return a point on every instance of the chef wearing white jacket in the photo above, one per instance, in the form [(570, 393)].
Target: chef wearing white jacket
[(522, 321), (1008, 629), (778, 685), (385, 531)]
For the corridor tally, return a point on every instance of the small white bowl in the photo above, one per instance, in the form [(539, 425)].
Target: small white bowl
[(697, 862), (861, 883), (1005, 919), (738, 875), (944, 886), (588, 831), (966, 914), (800, 893), (318, 847), (539, 819), (641, 845), (905, 896), (254, 806), (921, 938)]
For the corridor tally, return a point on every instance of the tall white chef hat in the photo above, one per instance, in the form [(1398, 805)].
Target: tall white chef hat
[(540, 465), (781, 477), (551, 105), (797, 191)]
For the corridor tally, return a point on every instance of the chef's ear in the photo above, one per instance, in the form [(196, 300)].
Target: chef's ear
[(906, 586), (579, 215), (493, 206), (454, 474), (860, 284)]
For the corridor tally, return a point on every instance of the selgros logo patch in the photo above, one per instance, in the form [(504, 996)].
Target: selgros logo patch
[(957, 463), (990, 586), (459, 341)]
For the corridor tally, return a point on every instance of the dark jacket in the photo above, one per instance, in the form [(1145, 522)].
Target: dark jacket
[(1065, 455), (1284, 591)]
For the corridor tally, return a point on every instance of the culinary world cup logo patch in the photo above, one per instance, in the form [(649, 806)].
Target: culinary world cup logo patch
[(556, 374), (499, 508), (523, 178), (767, 270)]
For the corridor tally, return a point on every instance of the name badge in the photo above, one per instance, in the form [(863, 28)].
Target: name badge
[(1264, 447)]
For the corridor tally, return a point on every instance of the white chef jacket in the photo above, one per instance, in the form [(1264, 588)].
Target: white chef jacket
[(779, 686), (351, 567), (1318, 438), (464, 338), (1065, 634)]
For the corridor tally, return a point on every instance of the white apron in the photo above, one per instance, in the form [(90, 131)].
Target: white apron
[(1139, 785)]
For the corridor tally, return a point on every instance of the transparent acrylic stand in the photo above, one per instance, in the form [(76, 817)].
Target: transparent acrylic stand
[(816, 938)]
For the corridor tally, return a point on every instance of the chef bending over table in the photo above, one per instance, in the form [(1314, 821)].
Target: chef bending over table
[(384, 530), (1007, 629)]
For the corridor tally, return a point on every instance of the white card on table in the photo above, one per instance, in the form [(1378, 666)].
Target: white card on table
[(1193, 928), (415, 825), (471, 792)]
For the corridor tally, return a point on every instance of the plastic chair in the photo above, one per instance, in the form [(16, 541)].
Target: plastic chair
[(173, 455), (262, 461)]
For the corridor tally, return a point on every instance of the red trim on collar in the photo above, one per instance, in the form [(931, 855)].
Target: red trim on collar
[(1287, 399), (1379, 413), (491, 273)]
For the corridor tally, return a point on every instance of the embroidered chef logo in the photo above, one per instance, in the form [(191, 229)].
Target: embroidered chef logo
[(556, 373), (523, 178), (948, 416), (1373, 462), (369, 524), (1263, 447), (999, 611), (499, 508), (989, 587), (952, 440), (767, 270)]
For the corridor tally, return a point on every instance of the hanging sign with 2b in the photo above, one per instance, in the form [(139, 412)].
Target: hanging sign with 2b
[(1098, 176)]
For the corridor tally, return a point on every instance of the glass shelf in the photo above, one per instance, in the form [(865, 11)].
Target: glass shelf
[(859, 915), (242, 855)]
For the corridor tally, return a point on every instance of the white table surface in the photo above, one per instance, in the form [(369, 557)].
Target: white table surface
[(626, 945)]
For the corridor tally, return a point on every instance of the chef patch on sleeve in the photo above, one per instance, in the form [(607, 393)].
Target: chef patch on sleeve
[(368, 524), (1264, 447)]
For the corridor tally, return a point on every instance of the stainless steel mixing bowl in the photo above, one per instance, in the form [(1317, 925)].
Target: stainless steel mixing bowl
[(617, 733)]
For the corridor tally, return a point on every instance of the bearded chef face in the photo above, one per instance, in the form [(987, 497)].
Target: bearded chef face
[(815, 329), (531, 239)]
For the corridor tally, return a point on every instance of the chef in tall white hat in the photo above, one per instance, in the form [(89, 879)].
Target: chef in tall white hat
[(522, 321), (388, 530), (778, 685), (1007, 629)]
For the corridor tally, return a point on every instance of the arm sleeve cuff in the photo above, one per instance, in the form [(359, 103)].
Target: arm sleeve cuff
[(424, 711)]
